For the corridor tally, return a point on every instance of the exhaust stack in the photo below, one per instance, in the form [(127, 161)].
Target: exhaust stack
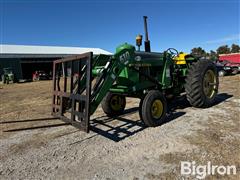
[(146, 42)]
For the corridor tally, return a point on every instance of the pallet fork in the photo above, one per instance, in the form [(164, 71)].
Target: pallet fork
[(72, 89)]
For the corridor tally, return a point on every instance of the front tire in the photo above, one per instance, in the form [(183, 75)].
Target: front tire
[(202, 83), (154, 108), (113, 104)]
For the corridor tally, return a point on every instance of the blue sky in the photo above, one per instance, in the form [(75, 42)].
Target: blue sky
[(106, 24)]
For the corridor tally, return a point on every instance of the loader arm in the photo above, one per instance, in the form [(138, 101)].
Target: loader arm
[(107, 75)]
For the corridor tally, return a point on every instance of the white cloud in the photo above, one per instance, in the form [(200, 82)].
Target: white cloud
[(225, 39)]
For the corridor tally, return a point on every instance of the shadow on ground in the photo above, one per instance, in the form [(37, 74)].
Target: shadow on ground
[(120, 127), (221, 98), (117, 128), (36, 127), (28, 120), (182, 102)]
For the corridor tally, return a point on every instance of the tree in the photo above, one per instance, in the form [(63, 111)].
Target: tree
[(213, 55), (223, 50), (198, 52), (235, 48)]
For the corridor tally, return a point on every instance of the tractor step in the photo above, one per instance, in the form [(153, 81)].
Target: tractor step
[(72, 90)]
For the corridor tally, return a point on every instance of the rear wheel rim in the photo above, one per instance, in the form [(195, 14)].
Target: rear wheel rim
[(157, 109), (209, 83)]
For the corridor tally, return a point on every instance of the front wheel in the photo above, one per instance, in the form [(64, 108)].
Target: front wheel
[(154, 108), (113, 104)]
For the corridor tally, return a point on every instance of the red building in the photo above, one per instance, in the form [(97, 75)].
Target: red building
[(234, 57)]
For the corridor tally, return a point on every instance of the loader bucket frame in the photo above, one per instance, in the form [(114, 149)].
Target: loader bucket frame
[(72, 90)]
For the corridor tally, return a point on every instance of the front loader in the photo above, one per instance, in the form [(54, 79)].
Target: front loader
[(81, 83)]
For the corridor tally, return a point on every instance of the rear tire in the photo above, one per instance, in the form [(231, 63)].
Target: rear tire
[(113, 104), (202, 83), (154, 108)]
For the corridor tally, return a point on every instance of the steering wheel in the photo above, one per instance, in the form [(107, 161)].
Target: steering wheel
[(172, 51)]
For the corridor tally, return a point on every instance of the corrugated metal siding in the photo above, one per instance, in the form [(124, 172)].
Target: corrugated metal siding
[(14, 64)]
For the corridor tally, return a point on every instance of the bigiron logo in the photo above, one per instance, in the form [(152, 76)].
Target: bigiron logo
[(201, 171)]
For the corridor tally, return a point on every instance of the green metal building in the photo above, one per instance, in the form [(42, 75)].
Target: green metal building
[(24, 60)]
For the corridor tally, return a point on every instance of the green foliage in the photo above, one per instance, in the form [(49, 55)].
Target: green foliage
[(213, 55), (198, 52), (235, 48), (223, 50)]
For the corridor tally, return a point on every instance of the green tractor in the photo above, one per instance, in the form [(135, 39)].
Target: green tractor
[(150, 76), (7, 75)]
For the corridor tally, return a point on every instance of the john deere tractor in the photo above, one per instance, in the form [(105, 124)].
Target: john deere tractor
[(150, 76), (7, 75)]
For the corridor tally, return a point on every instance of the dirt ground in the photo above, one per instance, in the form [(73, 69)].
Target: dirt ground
[(36, 146)]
